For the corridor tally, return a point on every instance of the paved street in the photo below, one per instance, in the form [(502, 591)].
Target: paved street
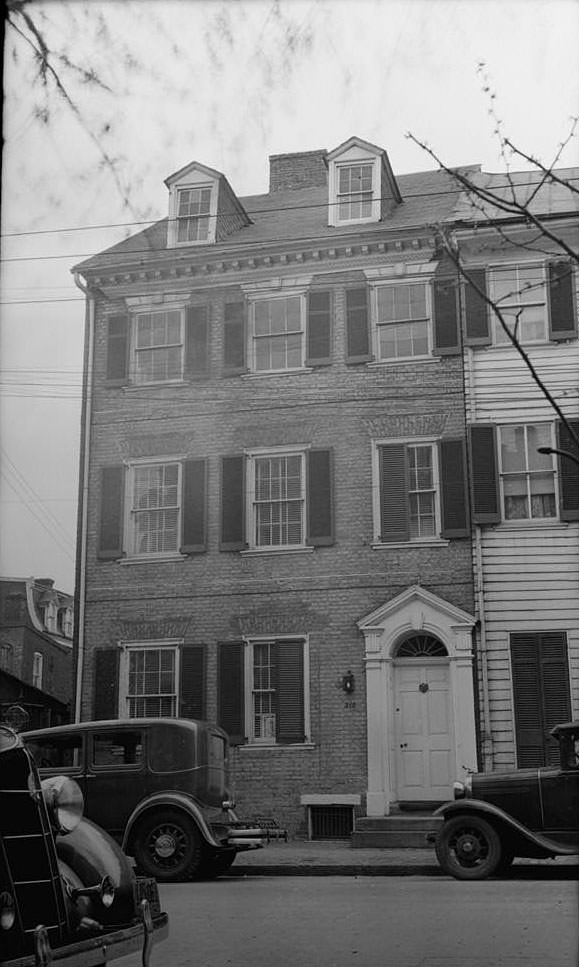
[(339, 921)]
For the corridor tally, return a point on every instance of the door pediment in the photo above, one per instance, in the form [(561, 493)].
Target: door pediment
[(412, 611)]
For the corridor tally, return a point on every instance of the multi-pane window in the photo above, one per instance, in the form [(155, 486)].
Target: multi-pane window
[(278, 334), (158, 346), (263, 693), (152, 677), (520, 294), (527, 476), (402, 318), (37, 667), (354, 192), (276, 691), (154, 508), (193, 211), (421, 492), (278, 500)]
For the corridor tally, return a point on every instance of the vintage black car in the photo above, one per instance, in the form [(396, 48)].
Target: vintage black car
[(68, 894), (497, 816), (160, 787)]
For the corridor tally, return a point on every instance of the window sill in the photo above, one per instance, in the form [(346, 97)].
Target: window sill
[(268, 746), (516, 525), (435, 542), (261, 551), (278, 372), (427, 358), (153, 559), (154, 384)]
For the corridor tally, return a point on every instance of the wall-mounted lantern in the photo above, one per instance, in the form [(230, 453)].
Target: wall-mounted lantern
[(348, 683)]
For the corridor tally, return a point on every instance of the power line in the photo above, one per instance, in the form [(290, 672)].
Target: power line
[(275, 210)]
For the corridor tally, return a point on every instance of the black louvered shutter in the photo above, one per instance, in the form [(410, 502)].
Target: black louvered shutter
[(319, 329), (453, 486), (197, 341), (568, 472), (289, 681), (446, 330), (192, 682), (394, 523), (541, 694), (320, 498), (476, 310), (562, 308), (484, 470), (234, 338), (233, 503), (111, 513), (357, 335), (230, 692), (106, 683), (194, 507), (117, 349)]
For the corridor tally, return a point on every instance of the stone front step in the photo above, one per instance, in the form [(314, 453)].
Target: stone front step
[(394, 832)]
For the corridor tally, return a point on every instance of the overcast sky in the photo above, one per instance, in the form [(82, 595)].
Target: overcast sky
[(226, 84)]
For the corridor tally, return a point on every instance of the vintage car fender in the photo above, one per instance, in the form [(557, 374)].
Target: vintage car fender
[(91, 854), (538, 846), (180, 801)]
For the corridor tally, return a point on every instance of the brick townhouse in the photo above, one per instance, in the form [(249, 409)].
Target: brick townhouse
[(275, 523)]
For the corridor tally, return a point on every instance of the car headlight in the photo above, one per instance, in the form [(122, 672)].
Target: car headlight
[(64, 799), (7, 911), (462, 790)]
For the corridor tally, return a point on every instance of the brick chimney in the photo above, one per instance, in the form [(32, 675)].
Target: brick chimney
[(306, 169)]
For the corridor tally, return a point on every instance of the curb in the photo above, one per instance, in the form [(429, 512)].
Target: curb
[(335, 869)]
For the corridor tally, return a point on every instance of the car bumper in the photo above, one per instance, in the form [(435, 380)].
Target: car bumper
[(101, 948)]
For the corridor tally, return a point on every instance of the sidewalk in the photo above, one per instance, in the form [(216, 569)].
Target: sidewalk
[(337, 858)]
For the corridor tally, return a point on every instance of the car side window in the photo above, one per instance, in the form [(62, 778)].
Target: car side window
[(57, 752), (117, 748)]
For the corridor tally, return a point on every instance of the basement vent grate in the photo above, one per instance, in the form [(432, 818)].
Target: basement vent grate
[(331, 822)]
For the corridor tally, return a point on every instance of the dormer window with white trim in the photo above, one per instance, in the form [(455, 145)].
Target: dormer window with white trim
[(361, 184), (354, 192), (193, 213)]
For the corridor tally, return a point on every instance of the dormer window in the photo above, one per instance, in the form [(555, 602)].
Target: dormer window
[(354, 192), (203, 208), (193, 211), (362, 186)]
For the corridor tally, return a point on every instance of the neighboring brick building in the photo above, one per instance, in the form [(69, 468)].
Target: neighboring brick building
[(36, 629), (276, 535)]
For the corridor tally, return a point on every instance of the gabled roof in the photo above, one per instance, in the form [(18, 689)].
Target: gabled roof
[(193, 166), (350, 143)]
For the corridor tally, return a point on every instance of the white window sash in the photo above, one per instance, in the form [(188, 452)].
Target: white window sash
[(248, 683), (255, 338), (378, 325), (377, 484), (132, 514), (173, 645), (253, 503), (528, 474)]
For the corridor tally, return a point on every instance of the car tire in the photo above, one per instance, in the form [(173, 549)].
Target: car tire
[(213, 865), (167, 846), (468, 847)]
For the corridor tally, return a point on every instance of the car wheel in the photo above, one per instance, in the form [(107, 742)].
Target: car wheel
[(167, 846), (468, 848), (215, 864)]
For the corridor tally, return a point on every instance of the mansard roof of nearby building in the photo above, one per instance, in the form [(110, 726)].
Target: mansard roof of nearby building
[(535, 189), (27, 601)]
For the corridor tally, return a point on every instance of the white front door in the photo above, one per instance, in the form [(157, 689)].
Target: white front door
[(424, 747)]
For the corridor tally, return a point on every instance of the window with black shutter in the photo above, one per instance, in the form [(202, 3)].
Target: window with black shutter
[(568, 465), (117, 349), (562, 301), (192, 682), (446, 335), (197, 341), (484, 474), (423, 493), (106, 683), (267, 707), (476, 308), (357, 332), (319, 329), (540, 672), (234, 339), (193, 515), (110, 545)]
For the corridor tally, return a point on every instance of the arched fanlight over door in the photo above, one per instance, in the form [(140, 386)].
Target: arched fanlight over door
[(421, 646)]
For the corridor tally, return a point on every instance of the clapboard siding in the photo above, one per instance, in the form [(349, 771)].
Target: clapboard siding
[(501, 389)]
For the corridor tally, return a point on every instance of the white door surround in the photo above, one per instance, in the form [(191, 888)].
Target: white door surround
[(415, 610)]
